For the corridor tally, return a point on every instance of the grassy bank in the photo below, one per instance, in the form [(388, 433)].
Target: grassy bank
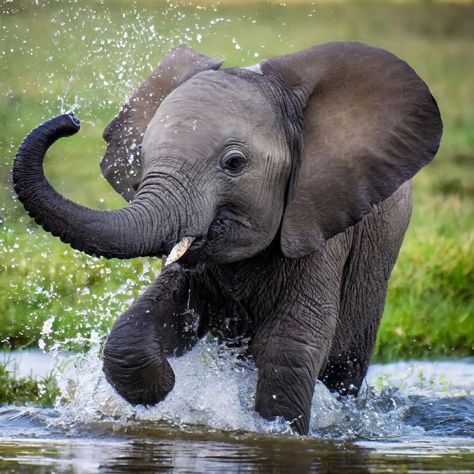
[(89, 57), (26, 390)]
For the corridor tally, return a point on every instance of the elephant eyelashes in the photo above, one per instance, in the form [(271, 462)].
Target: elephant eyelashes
[(233, 162)]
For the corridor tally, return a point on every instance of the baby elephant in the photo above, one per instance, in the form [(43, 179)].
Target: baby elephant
[(283, 190)]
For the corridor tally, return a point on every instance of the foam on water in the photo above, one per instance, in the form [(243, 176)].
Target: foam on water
[(213, 389)]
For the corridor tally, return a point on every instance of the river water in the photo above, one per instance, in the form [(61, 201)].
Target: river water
[(411, 417)]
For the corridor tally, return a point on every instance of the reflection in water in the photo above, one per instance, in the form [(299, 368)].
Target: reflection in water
[(184, 455), (411, 416), (166, 451)]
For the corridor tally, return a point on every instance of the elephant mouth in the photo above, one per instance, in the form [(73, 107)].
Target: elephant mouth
[(204, 247), (226, 223)]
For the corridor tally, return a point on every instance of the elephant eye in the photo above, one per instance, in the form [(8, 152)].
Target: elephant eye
[(233, 162)]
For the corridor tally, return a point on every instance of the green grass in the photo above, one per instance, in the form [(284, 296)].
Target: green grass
[(26, 390), (92, 56)]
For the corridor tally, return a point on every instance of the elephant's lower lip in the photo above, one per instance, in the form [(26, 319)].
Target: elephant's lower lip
[(203, 245)]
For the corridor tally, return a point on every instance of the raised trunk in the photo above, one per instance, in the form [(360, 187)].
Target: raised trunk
[(126, 233)]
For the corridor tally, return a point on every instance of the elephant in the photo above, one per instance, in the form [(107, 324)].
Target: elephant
[(278, 195)]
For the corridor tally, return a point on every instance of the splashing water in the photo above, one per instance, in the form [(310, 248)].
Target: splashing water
[(115, 49), (214, 390), (416, 414)]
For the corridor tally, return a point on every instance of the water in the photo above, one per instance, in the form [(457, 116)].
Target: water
[(412, 416)]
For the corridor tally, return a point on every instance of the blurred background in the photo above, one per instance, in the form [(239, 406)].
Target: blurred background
[(88, 56)]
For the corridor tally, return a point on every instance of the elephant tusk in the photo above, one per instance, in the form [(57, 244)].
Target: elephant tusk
[(179, 250)]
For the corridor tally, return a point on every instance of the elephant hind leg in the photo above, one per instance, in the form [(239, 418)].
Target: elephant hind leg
[(376, 242)]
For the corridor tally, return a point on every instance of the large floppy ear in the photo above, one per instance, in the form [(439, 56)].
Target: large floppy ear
[(369, 124), (121, 162)]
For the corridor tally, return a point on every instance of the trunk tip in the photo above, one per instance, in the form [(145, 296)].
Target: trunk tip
[(74, 120)]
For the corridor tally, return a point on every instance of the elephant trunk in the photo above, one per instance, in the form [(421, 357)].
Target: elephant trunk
[(124, 233)]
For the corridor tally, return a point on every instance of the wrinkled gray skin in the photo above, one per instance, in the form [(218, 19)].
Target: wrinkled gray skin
[(294, 180)]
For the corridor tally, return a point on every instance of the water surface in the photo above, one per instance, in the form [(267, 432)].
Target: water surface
[(411, 417)]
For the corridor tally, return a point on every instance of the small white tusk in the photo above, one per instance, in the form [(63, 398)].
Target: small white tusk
[(179, 250)]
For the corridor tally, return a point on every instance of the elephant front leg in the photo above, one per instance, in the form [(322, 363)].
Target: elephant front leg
[(157, 324), (287, 371), (290, 349)]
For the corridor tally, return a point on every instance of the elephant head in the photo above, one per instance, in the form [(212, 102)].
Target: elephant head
[(306, 144), (121, 162), (225, 162)]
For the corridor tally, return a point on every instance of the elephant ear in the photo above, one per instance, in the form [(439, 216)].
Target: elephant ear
[(369, 124), (121, 162)]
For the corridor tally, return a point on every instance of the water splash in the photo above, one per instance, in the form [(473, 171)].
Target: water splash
[(214, 390), (114, 50)]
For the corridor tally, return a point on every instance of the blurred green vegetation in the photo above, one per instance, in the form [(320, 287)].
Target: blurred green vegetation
[(26, 390), (89, 56)]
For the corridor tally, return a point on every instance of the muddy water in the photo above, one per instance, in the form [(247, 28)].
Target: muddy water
[(411, 417)]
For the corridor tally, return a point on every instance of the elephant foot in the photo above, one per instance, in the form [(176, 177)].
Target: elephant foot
[(141, 381), (285, 392), (134, 363)]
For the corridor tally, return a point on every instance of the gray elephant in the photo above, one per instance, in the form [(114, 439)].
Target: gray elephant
[(284, 192)]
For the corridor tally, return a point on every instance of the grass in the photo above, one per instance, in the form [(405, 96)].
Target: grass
[(26, 390), (90, 56)]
